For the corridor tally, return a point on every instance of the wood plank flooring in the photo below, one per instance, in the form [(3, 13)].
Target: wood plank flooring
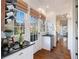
[(60, 52)]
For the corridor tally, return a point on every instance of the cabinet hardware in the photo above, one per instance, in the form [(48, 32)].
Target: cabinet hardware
[(77, 54), (21, 53), (76, 38), (76, 6)]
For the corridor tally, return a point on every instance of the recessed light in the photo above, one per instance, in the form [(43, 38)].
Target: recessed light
[(47, 6)]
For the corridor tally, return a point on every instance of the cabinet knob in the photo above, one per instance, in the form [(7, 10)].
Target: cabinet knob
[(21, 53)]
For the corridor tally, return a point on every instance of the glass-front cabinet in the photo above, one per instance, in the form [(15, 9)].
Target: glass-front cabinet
[(33, 28), (36, 27), (16, 26)]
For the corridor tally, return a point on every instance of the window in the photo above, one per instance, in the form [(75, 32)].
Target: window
[(19, 24)]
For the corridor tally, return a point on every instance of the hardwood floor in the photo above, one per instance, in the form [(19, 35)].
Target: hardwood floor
[(60, 52)]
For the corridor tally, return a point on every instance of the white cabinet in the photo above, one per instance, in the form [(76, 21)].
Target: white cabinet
[(47, 43), (37, 46), (13, 56), (26, 53)]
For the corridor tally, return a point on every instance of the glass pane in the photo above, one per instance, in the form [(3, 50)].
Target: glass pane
[(33, 28), (19, 25)]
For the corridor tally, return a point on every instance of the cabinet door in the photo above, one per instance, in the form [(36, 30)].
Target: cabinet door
[(46, 43), (13, 56), (26, 53), (25, 56), (35, 47)]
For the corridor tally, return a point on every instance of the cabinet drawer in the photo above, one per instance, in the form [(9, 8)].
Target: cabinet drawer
[(23, 54), (27, 50)]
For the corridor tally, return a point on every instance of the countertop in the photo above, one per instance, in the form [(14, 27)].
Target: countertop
[(50, 35), (14, 51)]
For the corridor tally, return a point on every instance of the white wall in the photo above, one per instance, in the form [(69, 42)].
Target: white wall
[(71, 38), (51, 19), (71, 31)]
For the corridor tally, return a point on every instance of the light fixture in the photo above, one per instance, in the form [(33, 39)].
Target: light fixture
[(47, 6), (46, 21), (47, 9), (41, 10), (68, 15)]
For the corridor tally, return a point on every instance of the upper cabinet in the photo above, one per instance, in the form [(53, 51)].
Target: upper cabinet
[(33, 28)]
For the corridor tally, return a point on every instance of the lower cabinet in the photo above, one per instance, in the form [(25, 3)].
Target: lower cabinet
[(26, 53), (37, 46), (47, 43)]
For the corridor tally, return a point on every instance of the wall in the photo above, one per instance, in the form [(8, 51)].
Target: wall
[(76, 28), (71, 41), (51, 20), (71, 31), (58, 24)]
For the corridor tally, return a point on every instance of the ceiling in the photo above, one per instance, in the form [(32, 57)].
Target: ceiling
[(47, 6)]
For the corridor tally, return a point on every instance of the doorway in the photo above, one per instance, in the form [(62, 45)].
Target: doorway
[(62, 29)]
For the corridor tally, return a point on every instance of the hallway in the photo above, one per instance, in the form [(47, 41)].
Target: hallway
[(60, 52)]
